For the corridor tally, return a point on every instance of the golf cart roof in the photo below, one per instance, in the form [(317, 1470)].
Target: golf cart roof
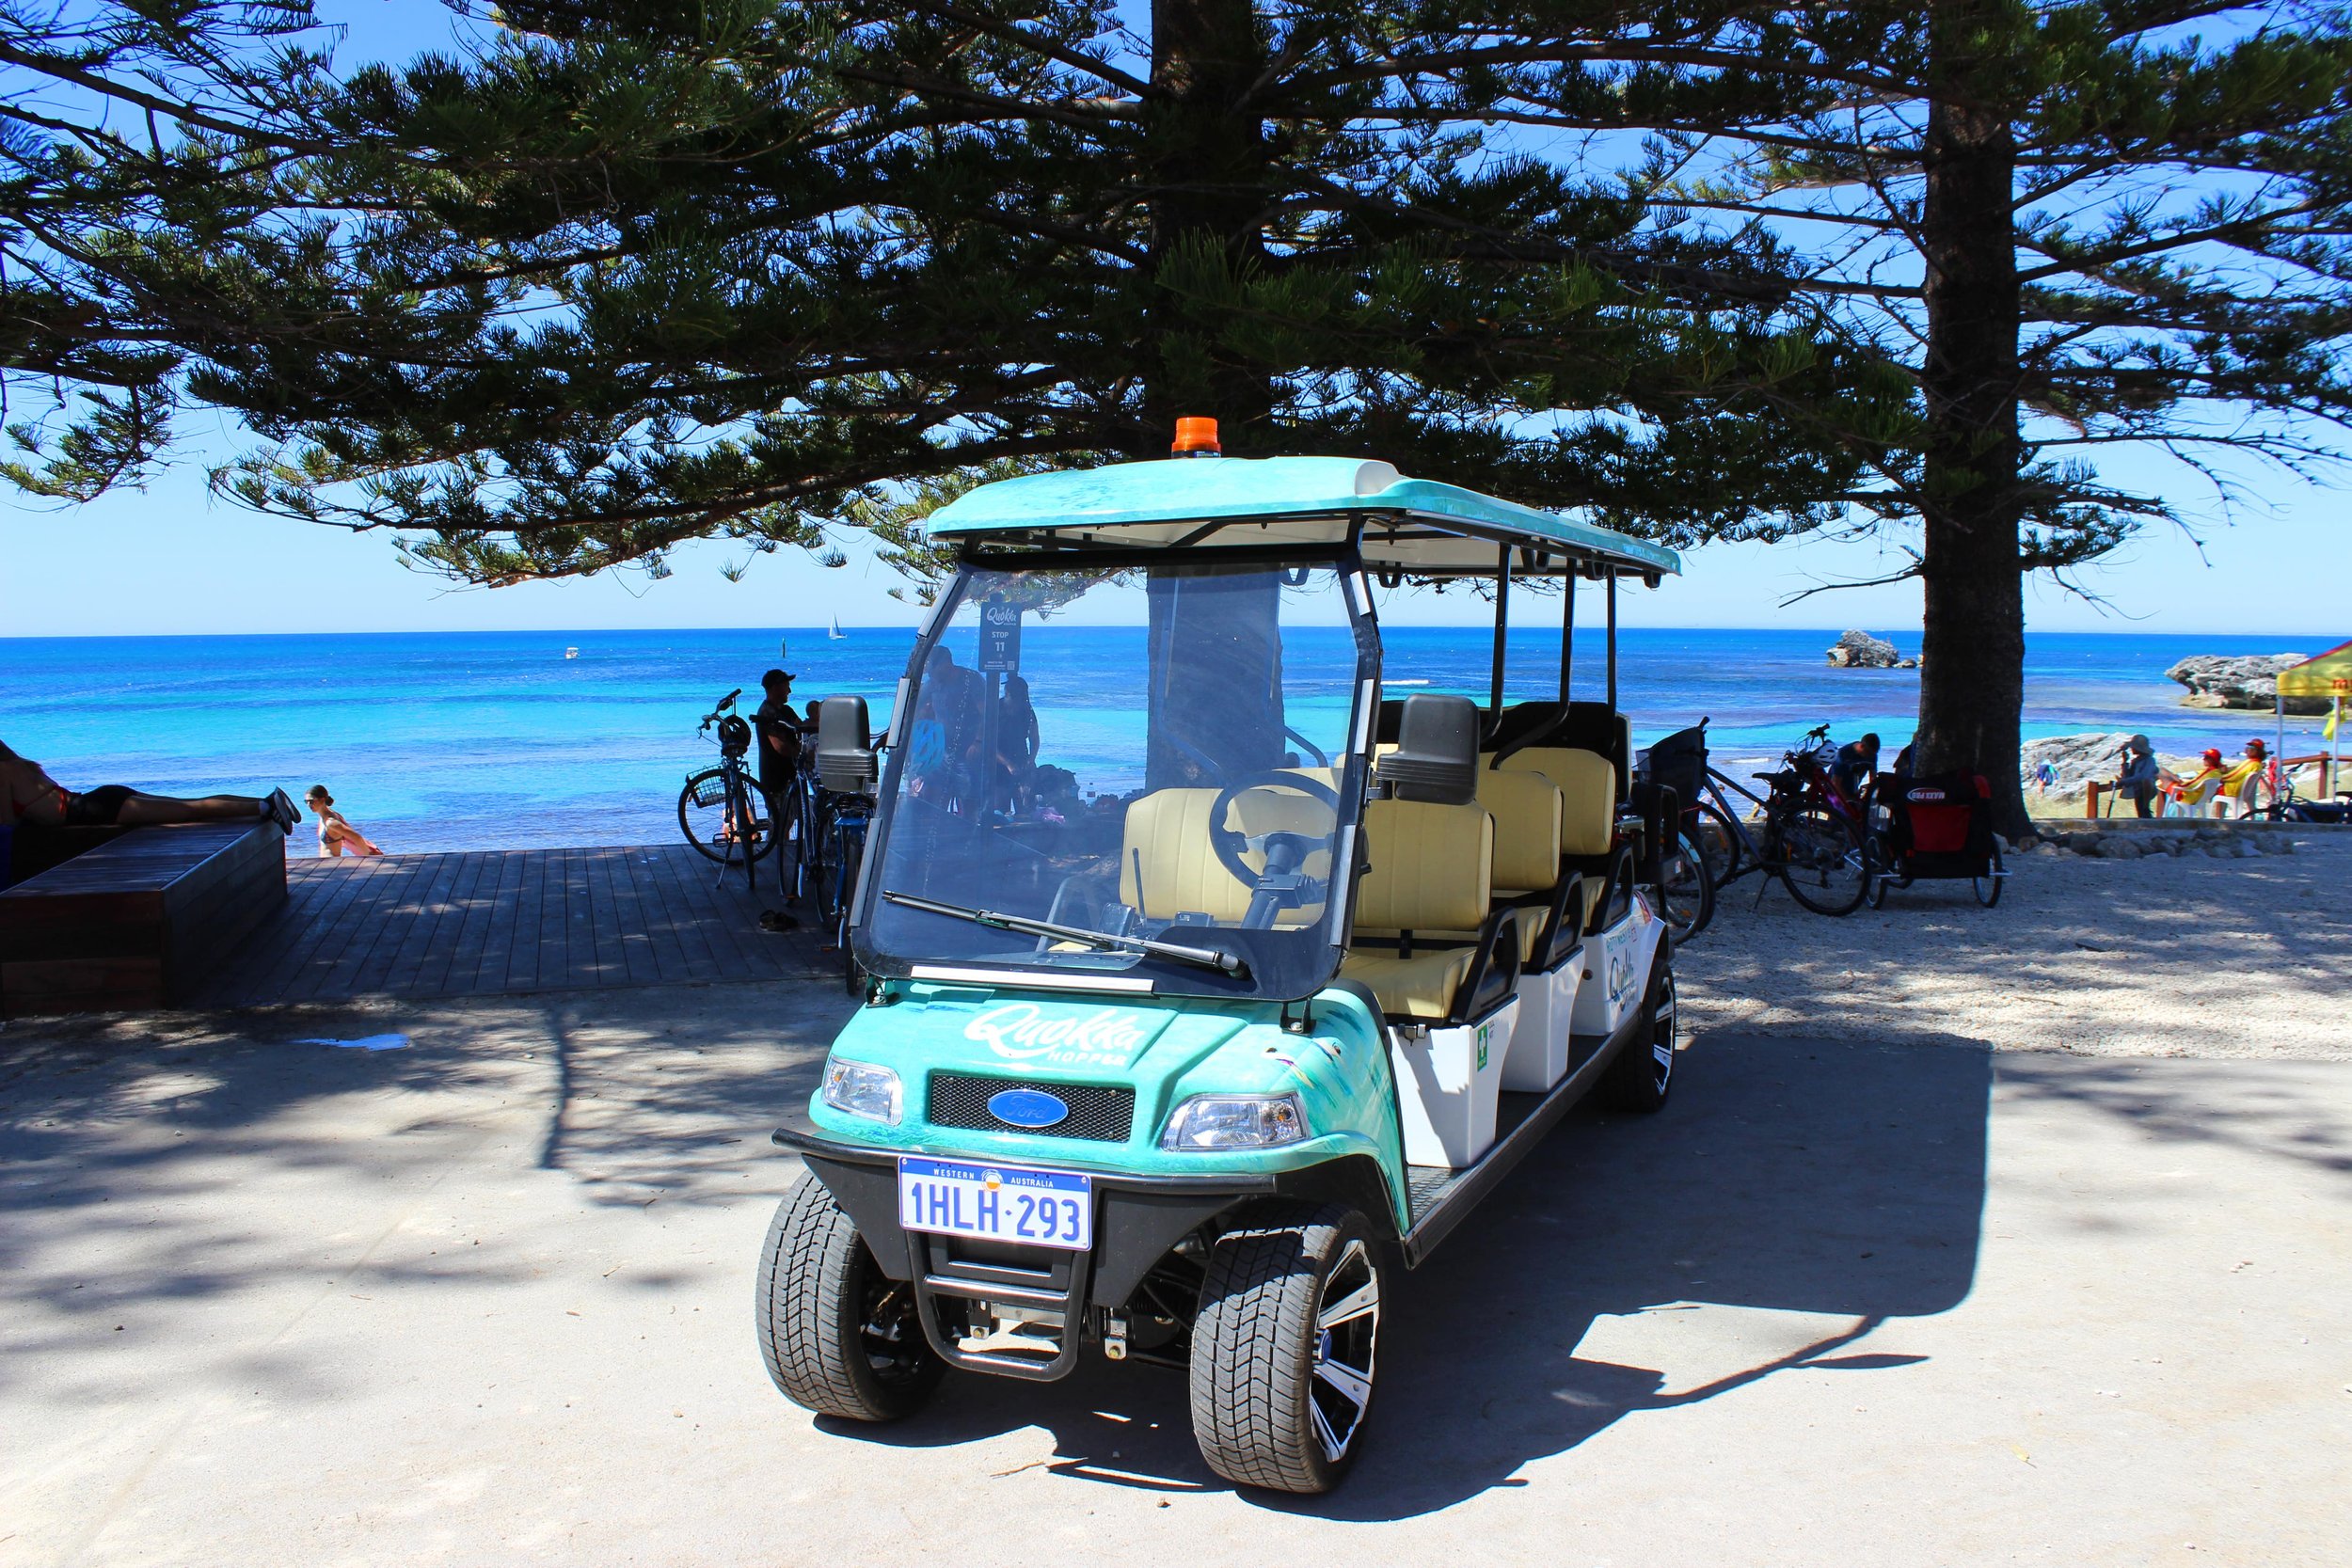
[(1413, 525)]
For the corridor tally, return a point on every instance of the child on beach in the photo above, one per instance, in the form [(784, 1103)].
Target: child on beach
[(337, 836)]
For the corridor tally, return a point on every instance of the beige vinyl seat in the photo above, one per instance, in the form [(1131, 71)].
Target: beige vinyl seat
[(1587, 782), (1431, 872), (1166, 839)]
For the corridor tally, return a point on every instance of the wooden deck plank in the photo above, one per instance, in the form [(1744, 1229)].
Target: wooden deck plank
[(661, 932), (663, 870), (631, 920), (498, 925), (529, 943), (431, 928), (355, 885), (432, 975), (377, 926)]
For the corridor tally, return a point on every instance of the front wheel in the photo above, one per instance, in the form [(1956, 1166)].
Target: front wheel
[(1719, 844), (1284, 1347), (1823, 861), (839, 1336)]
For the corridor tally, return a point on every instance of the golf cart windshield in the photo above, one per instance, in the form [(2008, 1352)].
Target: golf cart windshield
[(1129, 775)]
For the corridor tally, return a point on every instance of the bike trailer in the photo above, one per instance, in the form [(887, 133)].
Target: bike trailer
[(1938, 828)]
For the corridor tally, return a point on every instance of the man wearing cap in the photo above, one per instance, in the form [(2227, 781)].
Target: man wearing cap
[(2139, 778), (779, 728)]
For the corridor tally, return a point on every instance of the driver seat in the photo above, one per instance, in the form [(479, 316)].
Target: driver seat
[(1168, 867)]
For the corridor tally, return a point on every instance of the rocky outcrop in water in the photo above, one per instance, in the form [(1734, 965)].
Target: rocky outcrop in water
[(2076, 758), (2249, 681), (1859, 650)]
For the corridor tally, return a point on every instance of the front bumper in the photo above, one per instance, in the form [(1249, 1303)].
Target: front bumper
[(1138, 1218)]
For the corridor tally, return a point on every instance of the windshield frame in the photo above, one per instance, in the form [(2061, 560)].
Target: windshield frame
[(1147, 973)]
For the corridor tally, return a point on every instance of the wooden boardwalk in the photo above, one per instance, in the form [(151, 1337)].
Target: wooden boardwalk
[(507, 921)]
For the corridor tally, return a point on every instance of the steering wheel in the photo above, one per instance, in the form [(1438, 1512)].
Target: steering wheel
[(1323, 758), (1285, 852)]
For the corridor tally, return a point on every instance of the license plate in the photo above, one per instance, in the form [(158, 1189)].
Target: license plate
[(1001, 1203)]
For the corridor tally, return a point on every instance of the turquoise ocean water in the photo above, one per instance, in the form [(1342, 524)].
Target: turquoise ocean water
[(449, 740)]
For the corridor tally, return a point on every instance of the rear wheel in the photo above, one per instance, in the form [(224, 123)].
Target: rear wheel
[(1988, 889), (1643, 1072), (839, 1336), (1824, 863), (1284, 1347), (1685, 890)]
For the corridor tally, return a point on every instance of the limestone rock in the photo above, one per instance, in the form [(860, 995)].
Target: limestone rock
[(2248, 681), (2078, 758), (1859, 650)]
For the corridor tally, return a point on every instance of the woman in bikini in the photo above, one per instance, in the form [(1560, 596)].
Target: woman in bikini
[(337, 836), (31, 796)]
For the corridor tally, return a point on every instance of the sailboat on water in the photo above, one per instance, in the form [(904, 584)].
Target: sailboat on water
[(834, 633)]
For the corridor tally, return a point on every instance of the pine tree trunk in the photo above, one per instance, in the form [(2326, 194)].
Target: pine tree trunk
[(1209, 169), (1972, 649)]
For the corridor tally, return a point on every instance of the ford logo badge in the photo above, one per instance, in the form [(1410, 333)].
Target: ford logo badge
[(1027, 1107)]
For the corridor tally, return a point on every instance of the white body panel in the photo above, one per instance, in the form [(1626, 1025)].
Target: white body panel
[(1538, 1057), (1616, 968), (1447, 1082)]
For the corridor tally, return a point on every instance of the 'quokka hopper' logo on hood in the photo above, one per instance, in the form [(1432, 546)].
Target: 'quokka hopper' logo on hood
[(1017, 1033)]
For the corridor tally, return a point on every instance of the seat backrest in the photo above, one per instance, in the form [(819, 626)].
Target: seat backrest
[(1166, 838), (845, 763), (1527, 809), (1588, 790), (1432, 868)]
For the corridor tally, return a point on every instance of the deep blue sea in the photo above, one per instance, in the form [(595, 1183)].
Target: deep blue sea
[(449, 740)]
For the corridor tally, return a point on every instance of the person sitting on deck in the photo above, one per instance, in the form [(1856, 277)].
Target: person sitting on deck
[(337, 836), (2136, 783), (33, 796)]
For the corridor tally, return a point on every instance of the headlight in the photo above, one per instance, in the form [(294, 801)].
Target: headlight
[(862, 1090), (1235, 1121)]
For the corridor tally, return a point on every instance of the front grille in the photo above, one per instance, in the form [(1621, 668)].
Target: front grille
[(1098, 1113)]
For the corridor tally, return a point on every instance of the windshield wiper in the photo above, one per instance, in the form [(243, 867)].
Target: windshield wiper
[(1224, 963)]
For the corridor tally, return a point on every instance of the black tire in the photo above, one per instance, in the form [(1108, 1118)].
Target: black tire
[(1822, 861), (1988, 889), (1879, 865), (1719, 844), (707, 803), (839, 1337), (1685, 890), (1643, 1073), (1285, 1346)]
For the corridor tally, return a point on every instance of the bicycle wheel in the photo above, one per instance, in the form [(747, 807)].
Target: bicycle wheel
[(1988, 889), (1719, 843), (757, 833), (853, 858), (704, 815), (1684, 889), (1823, 860)]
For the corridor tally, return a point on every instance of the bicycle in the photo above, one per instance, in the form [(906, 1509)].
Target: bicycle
[(840, 802), (723, 810), (1809, 835), (1686, 892)]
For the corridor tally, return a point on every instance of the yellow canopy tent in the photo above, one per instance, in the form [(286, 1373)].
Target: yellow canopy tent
[(2329, 676)]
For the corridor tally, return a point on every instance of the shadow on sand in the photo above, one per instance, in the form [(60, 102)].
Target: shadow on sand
[(1841, 1182)]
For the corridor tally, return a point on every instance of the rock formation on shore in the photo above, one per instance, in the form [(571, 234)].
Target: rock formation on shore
[(1859, 650), (2078, 759), (2250, 681)]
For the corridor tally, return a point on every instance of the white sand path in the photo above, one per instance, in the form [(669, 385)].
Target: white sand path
[(2192, 957)]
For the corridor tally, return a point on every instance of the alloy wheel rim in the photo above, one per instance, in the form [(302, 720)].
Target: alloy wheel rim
[(1347, 1334), (1661, 1045)]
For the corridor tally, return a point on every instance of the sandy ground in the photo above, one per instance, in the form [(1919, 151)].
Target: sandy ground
[(1867, 1293), (2163, 956)]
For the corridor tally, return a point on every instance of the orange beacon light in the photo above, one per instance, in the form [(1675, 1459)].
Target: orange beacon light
[(1196, 437)]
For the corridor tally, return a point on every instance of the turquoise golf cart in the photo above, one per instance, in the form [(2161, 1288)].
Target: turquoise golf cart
[(1219, 960)]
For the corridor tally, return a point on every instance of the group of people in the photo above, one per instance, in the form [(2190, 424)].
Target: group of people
[(953, 758), (30, 798), (2144, 780)]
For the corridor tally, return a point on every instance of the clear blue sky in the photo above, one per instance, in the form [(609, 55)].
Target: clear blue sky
[(171, 560)]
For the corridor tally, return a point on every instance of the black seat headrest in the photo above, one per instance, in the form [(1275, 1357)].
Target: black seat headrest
[(1436, 758)]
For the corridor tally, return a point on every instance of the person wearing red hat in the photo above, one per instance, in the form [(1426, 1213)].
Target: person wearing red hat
[(2187, 797)]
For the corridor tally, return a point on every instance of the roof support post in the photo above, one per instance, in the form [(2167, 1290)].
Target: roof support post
[(1502, 619), (1567, 627), (1612, 640)]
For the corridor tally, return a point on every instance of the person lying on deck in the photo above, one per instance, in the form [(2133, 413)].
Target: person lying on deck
[(337, 836), (33, 796)]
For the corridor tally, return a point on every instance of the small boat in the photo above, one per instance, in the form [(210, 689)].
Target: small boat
[(571, 653), (834, 633)]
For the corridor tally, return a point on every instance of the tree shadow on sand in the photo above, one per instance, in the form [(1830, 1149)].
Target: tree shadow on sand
[(1827, 1187)]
